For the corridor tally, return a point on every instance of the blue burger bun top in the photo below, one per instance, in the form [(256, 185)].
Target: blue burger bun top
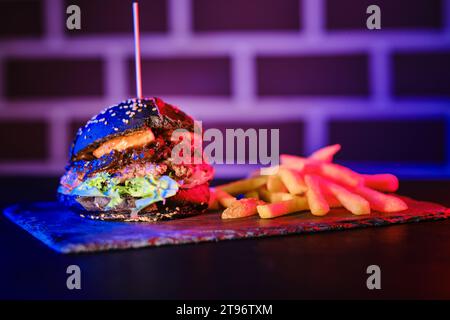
[(128, 116)]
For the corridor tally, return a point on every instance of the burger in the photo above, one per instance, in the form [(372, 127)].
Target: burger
[(122, 167)]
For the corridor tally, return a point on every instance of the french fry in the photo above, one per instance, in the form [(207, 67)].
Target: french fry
[(326, 154), (264, 194), (332, 201), (314, 183), (274, 196), (338, 174), (294, 162), (316, 200), (281, 208), (252, 195), (268, 171), (350, 201), (213, 203), (274, 184), (380, 201), (293, 181), (382, 182), (281, 196), (241, 208), (224, 198), (265, 171), (244, 185)]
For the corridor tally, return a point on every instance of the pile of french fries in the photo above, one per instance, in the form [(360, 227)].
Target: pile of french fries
[(314, 183)]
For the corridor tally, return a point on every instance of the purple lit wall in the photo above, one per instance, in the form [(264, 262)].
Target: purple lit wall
[(308, 67)]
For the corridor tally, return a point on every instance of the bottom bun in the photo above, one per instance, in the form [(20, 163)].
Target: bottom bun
[(186, 202)]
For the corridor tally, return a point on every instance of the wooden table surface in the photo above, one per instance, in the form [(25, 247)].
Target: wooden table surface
[(414, 261)]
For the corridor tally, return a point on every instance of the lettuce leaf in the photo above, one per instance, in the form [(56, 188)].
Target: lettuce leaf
[(85, 190), (115, 198), (140, 187), (167, 187), (148, 189), (101, 181), (145, 202)]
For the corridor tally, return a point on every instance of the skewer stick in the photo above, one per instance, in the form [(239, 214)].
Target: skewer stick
[(137, 50)]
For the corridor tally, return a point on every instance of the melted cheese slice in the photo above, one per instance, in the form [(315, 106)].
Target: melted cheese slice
[(136, 139)]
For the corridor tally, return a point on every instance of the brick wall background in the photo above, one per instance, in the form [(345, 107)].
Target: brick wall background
[(308, 67)]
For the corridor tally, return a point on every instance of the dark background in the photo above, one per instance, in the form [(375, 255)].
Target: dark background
[(310, 68)]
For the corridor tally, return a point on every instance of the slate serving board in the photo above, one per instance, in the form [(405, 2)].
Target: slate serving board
[(65, 231)]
